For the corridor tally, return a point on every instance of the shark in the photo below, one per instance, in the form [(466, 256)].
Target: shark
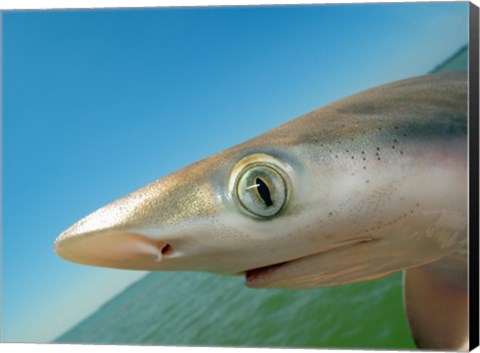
[(363, 187)]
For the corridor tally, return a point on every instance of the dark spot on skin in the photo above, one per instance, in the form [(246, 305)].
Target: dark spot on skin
[(411, 211), (368, 181), (393, 146), (364, 167), (364, 159), (401, 152), (404, 135), (347, 151), (264, 192), (395, 140), (378, 158), (330, 213), (377, 154), (380, 129), (336, 156), (418, 204), (395, 127), (352, 157), (378, 148), (363, 152)]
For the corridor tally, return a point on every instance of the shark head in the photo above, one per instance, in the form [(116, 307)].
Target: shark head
[(321, 200), (231, 213)]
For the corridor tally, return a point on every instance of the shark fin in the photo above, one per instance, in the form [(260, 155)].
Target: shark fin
[(436, 303)]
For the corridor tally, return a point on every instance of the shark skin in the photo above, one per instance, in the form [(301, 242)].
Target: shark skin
[(366, 186)]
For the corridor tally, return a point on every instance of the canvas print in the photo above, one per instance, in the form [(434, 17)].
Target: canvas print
[(248, 176)]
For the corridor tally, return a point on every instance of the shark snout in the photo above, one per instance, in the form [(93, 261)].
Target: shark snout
[(112, 237), (114, 249), (142, 231)]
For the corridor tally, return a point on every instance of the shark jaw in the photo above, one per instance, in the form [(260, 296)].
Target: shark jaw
[(136, 251), (280, 275)]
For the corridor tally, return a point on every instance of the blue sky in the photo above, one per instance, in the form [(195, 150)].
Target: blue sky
[(99, 103)]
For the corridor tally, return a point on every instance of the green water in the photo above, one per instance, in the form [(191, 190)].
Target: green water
[(207, 310), (196, 309), (458, 61)]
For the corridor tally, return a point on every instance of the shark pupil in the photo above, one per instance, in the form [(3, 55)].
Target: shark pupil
[(264, 192), (260, 189)]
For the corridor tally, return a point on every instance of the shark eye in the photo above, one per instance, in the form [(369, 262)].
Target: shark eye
[(261, 190)]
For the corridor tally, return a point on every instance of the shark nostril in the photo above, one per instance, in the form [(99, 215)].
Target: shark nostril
[(166, 249)]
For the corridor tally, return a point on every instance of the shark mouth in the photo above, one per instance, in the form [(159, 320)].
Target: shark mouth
[(329, 267), (256, 274)]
